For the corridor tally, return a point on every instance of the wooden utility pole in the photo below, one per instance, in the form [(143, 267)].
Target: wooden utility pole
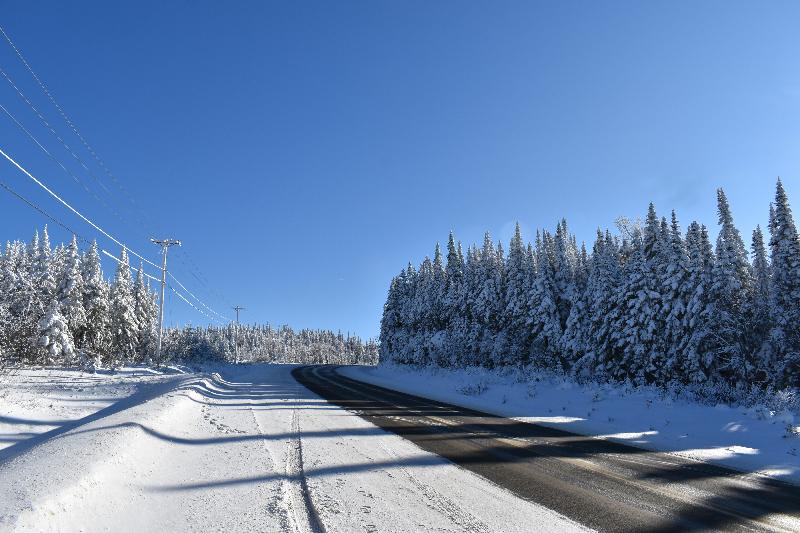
[(165, 244), (236, 333)]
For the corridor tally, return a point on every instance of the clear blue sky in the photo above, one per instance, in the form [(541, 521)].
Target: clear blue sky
[(304, 152)]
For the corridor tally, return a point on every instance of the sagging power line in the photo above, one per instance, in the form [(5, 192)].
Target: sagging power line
[(85, 240), (72, 126), (137, 211)]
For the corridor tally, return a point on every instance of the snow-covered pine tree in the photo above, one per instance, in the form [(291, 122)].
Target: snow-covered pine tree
[(70, 293), (632, 327), (677, 290), (544, 318), (758, 328), (142, 310), (487, 303), (440, 349), (53, 336), (516, 312), (28, 301), (22, 302), (455, 302), (639, 322), (408, 314), (785, 291), (730, 294), (696, 362), (97, 304), (601, 288), (500, 348), (574, 341), (391, 324), (565, 260), (124, 328), (473, 284), (45, 270)]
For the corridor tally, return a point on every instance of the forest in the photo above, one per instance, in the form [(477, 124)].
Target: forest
[(648, 305), (57, 308)]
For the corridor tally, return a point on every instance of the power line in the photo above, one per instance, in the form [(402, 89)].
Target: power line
[(138, 211), (182, 297), (118, 260), (195, 271), (195, 297), (64, 226), (73, 127), (51, 128), (57, 197), (42, 211), (75, 178)]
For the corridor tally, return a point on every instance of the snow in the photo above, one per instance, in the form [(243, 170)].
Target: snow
[(33, 402), (233, 448), (752, 439)]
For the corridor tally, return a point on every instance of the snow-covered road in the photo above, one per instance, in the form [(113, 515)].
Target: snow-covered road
[(241, 449)]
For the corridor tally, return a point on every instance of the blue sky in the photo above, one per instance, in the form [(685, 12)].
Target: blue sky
[(304, 152)]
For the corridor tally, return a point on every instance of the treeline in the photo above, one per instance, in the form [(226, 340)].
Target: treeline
[(263, 343), (57, 308), (649, 306)]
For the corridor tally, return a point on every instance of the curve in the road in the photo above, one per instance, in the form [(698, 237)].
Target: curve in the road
[(604, 485)]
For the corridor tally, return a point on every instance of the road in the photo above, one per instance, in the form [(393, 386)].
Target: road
[(603, 485), (239, 448)]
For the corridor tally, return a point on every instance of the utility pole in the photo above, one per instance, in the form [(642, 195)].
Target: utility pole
[(165, 244), (236, 333)]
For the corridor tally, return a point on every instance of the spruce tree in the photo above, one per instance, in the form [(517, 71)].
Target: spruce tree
[(697, 358), (632, 333), (731, 291), (759, 320), (601, 288), (518, 289), (785, 291), (70, 293), (145, 327), (455, 302), (97, 304), (54, 337), (124, 328), (544, 316), (677, 289)]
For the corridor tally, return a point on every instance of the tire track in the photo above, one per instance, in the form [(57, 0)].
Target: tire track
[(444, 505), (306, 517), (574, 475), (280, 495)]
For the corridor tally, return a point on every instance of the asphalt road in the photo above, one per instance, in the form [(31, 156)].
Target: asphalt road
[(603, 485)]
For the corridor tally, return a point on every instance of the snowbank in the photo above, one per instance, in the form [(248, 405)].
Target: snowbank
[(35, 401), (754, 440)]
